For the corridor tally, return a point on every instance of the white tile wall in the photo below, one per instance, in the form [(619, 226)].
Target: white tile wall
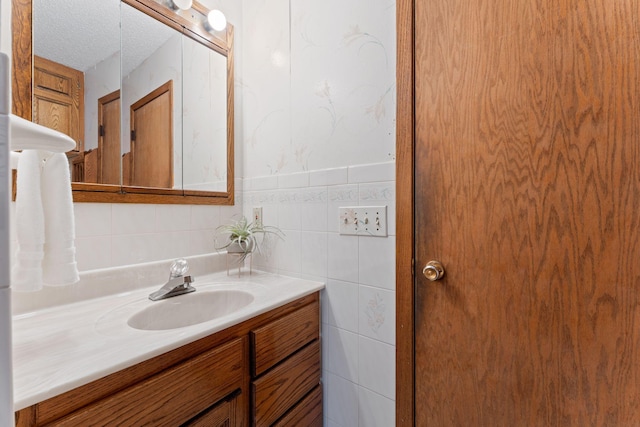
[(342, 310), (371, 173), (328, 176), (111, 235), (341, 401), (372, 269), (358, 304), (375, 410), (343, 355), (376, 366), (313, 253), (377, 314), (343, 257)]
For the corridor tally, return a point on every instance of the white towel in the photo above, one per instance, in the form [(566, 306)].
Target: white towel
[(59, 264), (44, 222), (27, 273)]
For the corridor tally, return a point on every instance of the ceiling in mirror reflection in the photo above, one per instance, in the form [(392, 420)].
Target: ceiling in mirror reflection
[(93, 26)]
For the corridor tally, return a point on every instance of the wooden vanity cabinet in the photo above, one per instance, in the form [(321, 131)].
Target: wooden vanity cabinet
[(264, 371), (178, 395)]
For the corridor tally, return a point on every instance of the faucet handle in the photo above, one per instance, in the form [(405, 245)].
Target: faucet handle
[(179, 268)]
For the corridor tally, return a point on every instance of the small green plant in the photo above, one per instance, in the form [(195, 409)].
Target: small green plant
[(243, 236)]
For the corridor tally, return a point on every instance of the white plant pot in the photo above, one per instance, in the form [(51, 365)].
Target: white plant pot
[(239, 248)]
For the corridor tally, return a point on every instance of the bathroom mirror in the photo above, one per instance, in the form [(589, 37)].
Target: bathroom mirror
[(157, 97)]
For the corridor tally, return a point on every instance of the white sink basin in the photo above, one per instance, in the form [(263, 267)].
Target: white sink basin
[(189, 309)]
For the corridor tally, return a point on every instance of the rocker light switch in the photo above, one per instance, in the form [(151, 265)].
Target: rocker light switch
[(363, 220)]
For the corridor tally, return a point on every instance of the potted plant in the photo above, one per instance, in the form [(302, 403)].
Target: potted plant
[(243, 236)]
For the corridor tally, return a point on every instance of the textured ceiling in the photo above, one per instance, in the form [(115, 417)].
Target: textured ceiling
[(81, 33)]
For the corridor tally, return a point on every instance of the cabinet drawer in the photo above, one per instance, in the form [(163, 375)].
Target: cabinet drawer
[(171, 397), (274, 342), (281, 388), (308, 412), (221, 415)]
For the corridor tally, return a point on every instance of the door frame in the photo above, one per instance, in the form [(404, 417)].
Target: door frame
[(405, 240)]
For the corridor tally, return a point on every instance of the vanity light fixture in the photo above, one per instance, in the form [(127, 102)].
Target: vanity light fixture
[(216, 20), (181, 4)]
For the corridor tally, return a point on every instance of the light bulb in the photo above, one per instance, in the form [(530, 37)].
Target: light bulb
[(183, 4), (216, 20)]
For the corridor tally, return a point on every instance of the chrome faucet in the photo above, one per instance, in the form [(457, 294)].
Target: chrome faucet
[(177, 284)]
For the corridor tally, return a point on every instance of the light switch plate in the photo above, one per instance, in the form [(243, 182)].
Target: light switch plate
[(363, 220)]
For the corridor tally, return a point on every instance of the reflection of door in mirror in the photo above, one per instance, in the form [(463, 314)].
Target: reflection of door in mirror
[(152, 139), (109, 139), (58, 103)]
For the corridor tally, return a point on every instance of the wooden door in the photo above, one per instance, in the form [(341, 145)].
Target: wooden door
[(58, 99), (109, 147), (527, 188), (152, 139)]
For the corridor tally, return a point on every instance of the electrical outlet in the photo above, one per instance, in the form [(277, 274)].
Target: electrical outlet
[(363, 220), (257, 215)]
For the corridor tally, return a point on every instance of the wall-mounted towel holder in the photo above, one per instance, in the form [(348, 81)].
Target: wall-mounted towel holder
[(26, 135)]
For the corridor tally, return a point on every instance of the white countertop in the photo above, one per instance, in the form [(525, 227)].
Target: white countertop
[(60, 348)]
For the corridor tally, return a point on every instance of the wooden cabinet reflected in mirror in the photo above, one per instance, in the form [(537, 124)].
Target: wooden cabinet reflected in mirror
[(58, 103), (134, 101)]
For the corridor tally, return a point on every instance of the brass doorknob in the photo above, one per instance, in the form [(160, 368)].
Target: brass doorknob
[(433, 270)]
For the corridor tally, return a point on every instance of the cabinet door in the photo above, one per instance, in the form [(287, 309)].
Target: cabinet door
[(221, 415), (58, 99)]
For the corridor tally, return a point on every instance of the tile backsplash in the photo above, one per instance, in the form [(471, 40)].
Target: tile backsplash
[(119, 234), (113, 235)]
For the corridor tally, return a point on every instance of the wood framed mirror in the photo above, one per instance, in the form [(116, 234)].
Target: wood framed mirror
[(169, 158)]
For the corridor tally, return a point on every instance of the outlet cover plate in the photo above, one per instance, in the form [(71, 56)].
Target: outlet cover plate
[(257, 215), (363, 220)]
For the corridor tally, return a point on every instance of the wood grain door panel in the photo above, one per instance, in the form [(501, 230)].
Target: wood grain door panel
[(274, 342), (54, 113), (58, 99), (527, 188), (109, 145), (152, 139)]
